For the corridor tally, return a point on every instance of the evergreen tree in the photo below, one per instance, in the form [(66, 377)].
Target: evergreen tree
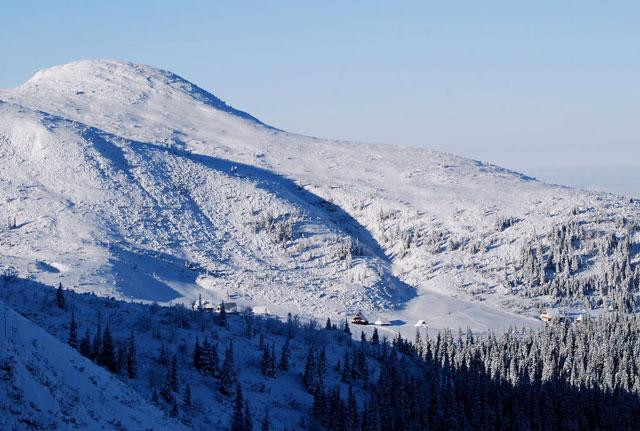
[(352, 410), (163, 355), (319, 406), (272, 361), (208, 358), (265, 421), (248, 421), (166, 390), (346, 328), (174, 407), (237, 418), (322, 362), (132, 366), (228, 376), (186, 398), (291, 325), (60, 301), (205, 357), (73, 332), (173, 374), (328, 324), (121, 357), (222, 316), (214, 363), (197, 356), (375, 340), (85, 345), (97, 344), (308, 380), (346, 367), (265, 364), (284, 356), (106, 358)]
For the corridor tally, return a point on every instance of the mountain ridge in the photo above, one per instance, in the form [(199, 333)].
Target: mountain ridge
[(169, 194)]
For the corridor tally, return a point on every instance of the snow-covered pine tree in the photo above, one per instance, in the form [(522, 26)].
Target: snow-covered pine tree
[(222, 316), (228, 377), (85, 345), (375, 338), (106, 358), (73, 331), (60, 302), (284, 355), (186, 398), (248, 421), (237, 418), (97, 343), (197, 356), (173, 374), (132, 363), (265, 424)]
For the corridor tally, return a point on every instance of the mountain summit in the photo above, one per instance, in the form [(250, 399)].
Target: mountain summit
[(110, 81)]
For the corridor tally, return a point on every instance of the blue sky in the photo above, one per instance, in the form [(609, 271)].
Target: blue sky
[(551, 88)]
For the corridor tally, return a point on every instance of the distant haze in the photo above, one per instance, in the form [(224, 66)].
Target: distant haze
[(622, 179), (549, 89)]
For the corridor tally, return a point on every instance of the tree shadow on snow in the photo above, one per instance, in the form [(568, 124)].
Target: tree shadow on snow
[(144, 274)]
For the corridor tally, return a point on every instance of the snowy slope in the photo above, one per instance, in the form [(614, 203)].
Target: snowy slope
[(48, 385), (130, 181)]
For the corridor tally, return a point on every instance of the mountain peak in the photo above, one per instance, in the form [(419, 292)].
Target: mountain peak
[(126, 82)]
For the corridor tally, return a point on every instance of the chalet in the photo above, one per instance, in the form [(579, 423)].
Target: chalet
[(553, 315), (381, 322), (229, 307), (261, 310), (359, 319), (421, 324)]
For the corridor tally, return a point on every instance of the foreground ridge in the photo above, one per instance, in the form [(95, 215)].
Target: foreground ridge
[(243, 371)]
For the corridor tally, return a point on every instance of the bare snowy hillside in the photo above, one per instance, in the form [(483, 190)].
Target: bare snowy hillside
[(129, 181)]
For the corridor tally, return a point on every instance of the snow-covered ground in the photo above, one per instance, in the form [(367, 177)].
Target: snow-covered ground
[(46, 384), (49, 385), (129, 181)]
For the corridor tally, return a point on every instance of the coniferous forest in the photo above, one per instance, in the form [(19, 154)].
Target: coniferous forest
[(233, 371)]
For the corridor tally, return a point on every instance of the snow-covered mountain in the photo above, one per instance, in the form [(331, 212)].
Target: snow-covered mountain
[(129, 181)]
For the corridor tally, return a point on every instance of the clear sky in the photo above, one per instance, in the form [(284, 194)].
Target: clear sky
[(551, 88)]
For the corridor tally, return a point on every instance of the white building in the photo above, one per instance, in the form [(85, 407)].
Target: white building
[(229, 307), (553, 315), (261, 310)]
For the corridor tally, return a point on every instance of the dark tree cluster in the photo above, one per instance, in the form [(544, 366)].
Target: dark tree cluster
[(118, 357), (557, 266), (569, 377)]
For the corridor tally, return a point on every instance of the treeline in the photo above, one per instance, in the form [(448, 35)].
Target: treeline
[(569, 377), (558, 265)]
